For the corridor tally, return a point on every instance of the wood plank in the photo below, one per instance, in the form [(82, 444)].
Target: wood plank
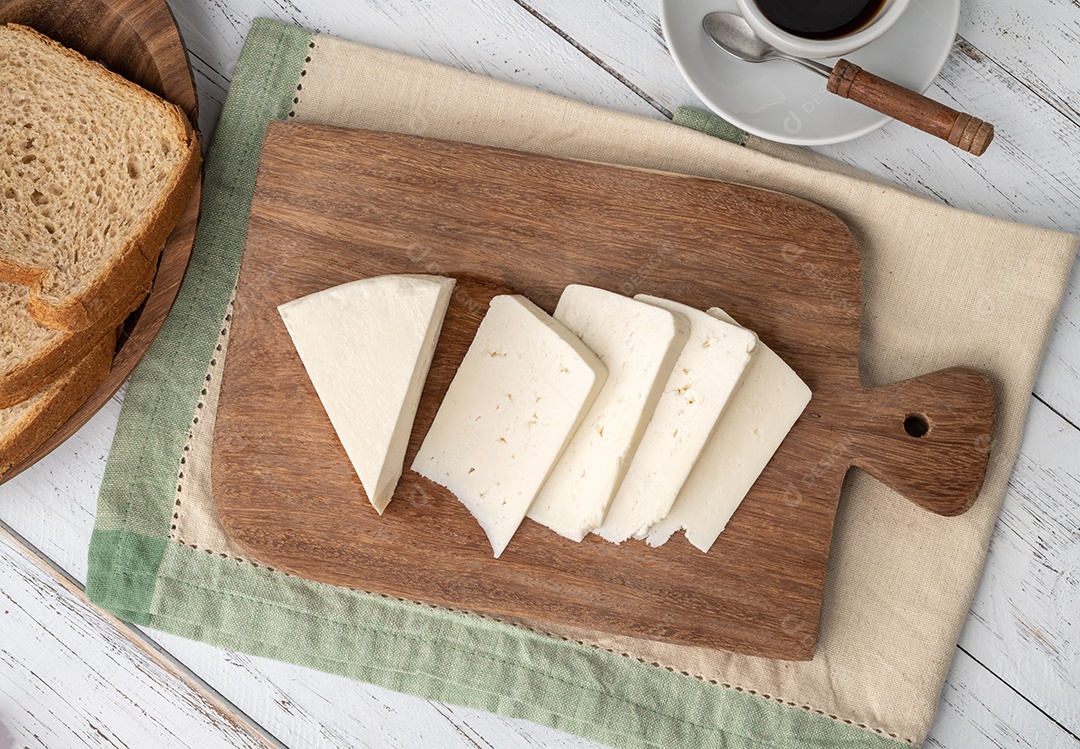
[(54, 502), (305, 707), (495, 38), (978, 709), (57, 651), (973, 78), (1024, 622), (1025, 176)]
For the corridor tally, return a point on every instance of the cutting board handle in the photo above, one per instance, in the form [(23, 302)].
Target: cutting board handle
[(928, 438)]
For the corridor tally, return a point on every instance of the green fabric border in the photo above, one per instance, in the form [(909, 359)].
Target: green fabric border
[(470, 660), (137, 574), (163, 392), (710, 124)]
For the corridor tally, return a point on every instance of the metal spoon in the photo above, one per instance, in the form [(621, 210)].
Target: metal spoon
[(733, 35)]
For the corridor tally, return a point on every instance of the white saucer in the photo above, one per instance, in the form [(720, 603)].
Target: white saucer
[(783, 102)]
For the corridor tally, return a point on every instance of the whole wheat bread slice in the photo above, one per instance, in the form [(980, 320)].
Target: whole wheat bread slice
[(32, 356), (94, 173), (25, 426)]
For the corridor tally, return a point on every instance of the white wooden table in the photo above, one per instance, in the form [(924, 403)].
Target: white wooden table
[(71, 676)]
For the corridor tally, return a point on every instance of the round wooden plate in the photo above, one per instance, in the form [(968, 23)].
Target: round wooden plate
[(138, 39)]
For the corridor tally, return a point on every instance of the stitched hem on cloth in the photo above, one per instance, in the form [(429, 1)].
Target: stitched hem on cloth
[(444, 646)]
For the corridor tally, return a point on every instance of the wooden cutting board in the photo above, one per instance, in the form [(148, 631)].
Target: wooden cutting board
[(333, 205)]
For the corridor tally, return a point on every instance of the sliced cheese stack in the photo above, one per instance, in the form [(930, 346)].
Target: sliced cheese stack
[(367, 347), (638, 343), (521, 391), (706, 373), (762, 411)]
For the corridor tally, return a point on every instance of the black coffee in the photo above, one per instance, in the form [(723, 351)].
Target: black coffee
[(820, 19)]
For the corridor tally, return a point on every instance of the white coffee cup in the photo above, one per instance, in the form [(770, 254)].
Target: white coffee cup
[(785, 41)]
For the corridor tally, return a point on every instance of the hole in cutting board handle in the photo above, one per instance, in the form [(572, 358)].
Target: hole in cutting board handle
[(916, 425), (928, 437)]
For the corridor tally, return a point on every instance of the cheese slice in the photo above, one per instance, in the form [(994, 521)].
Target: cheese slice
[(762, 411), (705, 374), (367, 346), (519, 394), (638, 343)]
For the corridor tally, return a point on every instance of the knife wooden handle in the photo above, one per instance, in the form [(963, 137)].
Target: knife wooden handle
[(960, 129)]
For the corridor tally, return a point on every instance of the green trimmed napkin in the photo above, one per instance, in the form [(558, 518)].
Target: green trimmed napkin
[(941, 287)]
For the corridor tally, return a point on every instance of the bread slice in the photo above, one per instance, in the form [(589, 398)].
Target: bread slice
[(94, 174), (24, 427), (32, 356)]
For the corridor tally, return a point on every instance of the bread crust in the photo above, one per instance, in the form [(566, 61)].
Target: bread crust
[(19, 274), (57, 404), (139, 255), (34, 375)]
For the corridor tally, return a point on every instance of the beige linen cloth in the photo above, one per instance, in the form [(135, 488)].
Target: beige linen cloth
[(941, 288)]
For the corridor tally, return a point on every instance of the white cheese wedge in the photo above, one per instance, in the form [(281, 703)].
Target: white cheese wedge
[(519, 394), (367, 347), (762, 411), (706, 373), (638, 343)]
